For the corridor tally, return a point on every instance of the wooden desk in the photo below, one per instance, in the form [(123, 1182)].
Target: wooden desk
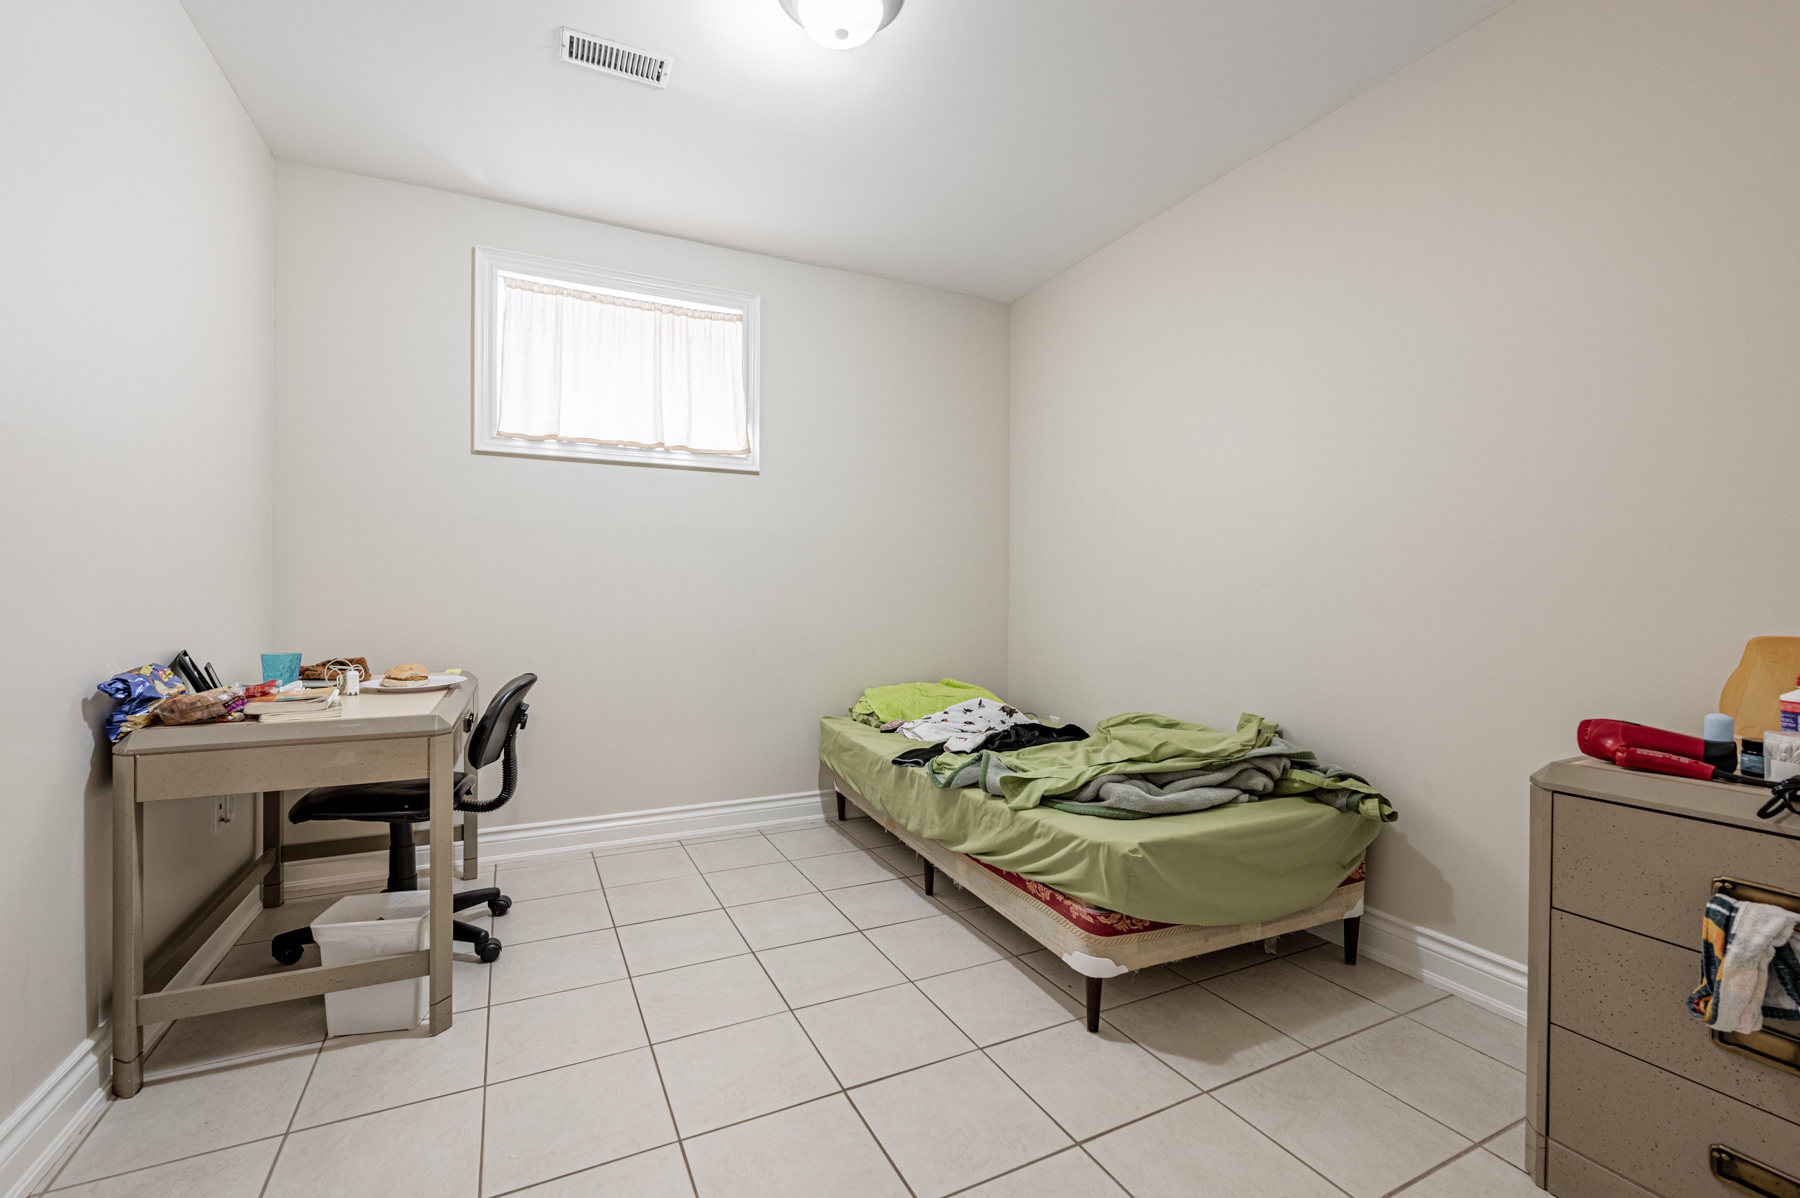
[(379, 738)]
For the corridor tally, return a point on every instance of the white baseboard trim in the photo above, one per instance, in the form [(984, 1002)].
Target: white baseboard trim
[(1486, 979), (520, 842), (35, 1138), (58, 1113)]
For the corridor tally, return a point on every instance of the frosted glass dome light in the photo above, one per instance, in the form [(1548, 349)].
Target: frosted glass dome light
[(841, 24)]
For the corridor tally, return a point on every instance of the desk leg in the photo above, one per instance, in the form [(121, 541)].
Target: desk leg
[(128, 928), (443, 871), (272, 894), (471, 842), (471, 831)]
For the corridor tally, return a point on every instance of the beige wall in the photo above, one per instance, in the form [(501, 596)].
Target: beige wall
[(688, 628), (135, 426), (1459, 417)]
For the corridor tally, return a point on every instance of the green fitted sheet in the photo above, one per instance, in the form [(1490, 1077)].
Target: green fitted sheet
[(1236, 864)]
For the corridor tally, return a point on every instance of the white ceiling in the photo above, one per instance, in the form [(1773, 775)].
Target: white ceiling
[(977, 145)]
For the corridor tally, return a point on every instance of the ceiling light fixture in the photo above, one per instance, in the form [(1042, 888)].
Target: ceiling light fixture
[(842, 24)]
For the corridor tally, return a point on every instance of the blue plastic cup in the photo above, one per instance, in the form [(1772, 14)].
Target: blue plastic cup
[(281, 667)]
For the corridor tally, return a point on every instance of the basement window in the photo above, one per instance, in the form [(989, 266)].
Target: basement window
[(586, 364)]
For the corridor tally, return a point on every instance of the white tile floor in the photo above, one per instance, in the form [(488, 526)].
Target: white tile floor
[(790, 1015)]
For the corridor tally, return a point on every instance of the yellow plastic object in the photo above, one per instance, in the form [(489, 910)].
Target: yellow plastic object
[(1752, 695)]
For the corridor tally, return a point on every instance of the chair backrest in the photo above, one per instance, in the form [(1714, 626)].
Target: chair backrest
[(506, 712)]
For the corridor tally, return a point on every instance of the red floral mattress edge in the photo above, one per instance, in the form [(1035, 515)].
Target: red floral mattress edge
[(1093, 920)]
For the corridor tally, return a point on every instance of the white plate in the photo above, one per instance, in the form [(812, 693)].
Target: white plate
[(439, 682)]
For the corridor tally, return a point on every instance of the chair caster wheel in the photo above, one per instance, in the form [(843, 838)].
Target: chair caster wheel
[(500, 906), (489, 951), (289, 947)]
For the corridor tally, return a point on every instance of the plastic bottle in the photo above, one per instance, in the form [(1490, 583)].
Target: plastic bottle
[(1790, 710)]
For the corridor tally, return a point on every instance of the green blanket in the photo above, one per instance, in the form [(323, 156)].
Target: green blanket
[(1234, 864), (1155, 745), (1134, 743), (914, 700)]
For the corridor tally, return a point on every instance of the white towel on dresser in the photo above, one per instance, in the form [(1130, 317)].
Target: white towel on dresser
[(1757, 930)]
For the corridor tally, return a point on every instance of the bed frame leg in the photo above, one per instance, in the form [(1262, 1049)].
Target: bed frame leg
[(1352, 926), (1093, 1004), (840, 799), (930, 877)]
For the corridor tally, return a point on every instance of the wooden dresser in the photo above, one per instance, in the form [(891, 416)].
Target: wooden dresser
[(1630, 1097)]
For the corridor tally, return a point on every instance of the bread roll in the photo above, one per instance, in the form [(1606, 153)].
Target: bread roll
[(410, 674)]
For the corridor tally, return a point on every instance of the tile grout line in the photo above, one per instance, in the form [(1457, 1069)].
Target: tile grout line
[(1107, 1173), (487, 1034), (842, 1089), (1072, 1146), (1306, 1050), (531, 1185), (192, 1156), (1436, 1002), (312, 1068), (656, 1058), (1083, 1144), (1315, 1052), (1397, 1098), (1435, 1169)]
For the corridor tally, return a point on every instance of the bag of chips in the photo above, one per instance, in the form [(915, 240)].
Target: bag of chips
[(137, 694)]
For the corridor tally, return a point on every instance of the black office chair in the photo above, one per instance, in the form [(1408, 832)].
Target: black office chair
[(400, 805)]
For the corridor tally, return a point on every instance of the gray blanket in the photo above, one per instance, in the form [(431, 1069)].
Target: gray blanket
[(1241, 781)]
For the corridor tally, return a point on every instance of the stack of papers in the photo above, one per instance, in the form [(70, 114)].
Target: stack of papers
[(292, 706)]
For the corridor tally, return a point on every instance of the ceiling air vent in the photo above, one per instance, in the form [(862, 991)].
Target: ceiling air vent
[(586, 50)]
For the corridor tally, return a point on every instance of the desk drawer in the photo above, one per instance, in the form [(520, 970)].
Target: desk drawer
[(1652, 1127), (1651, 872), (1626, 991)]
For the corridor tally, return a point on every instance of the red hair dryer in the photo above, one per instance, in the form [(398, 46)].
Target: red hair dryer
[(1636, 747), (1640, 747)]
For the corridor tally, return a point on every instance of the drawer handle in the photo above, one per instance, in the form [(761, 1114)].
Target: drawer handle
[(1752, 892), (1775, 1049), (1752, 1177)]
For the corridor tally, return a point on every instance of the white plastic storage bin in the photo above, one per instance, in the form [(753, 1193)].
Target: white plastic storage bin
[(362, 927)]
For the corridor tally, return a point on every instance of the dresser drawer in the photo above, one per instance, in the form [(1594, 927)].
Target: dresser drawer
[(1652, 873), (1626, 991), (1651, 1127)]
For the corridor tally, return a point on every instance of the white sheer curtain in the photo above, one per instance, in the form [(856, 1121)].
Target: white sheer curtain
[(608, 370)]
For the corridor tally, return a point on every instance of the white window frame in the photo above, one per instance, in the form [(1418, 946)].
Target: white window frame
[(490, 264)]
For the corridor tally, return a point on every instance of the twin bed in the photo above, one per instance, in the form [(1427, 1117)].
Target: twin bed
[(1109, 896)]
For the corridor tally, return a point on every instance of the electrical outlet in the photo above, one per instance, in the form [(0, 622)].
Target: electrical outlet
[(224, 811)]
